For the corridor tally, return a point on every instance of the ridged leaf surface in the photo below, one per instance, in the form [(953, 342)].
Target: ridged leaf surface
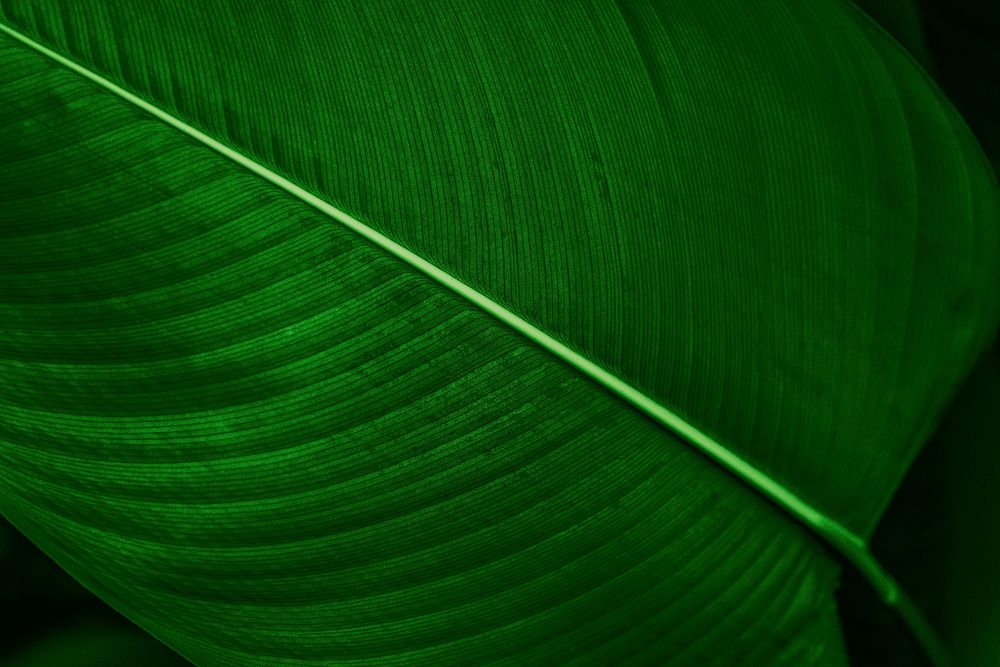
[(267, 440)]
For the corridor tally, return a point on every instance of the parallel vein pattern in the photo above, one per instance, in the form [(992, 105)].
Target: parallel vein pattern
[(841, 540), (266, 441), (751, 212), (762, 216)]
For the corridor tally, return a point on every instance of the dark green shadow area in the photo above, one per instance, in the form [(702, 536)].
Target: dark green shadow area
[(50, 620)]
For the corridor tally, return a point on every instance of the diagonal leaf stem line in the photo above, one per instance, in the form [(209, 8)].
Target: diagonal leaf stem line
[(847, 545)]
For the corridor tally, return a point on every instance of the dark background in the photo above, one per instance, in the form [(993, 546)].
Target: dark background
[(940, 537)]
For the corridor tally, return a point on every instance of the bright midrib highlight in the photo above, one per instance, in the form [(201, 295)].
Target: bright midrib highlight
[(844, 542)]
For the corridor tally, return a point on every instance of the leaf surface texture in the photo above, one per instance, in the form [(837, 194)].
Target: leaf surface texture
[(266, 440)]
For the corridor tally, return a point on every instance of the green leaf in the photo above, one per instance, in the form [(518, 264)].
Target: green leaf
[(472, 333), (939, 510)]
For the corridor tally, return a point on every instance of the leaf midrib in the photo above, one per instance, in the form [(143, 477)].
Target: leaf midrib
[(845, 544)]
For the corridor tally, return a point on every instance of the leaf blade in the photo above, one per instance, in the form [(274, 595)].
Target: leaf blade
[(207, 522)]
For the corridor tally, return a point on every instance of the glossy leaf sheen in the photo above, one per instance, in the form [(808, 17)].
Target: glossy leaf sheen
[(265, 439)]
